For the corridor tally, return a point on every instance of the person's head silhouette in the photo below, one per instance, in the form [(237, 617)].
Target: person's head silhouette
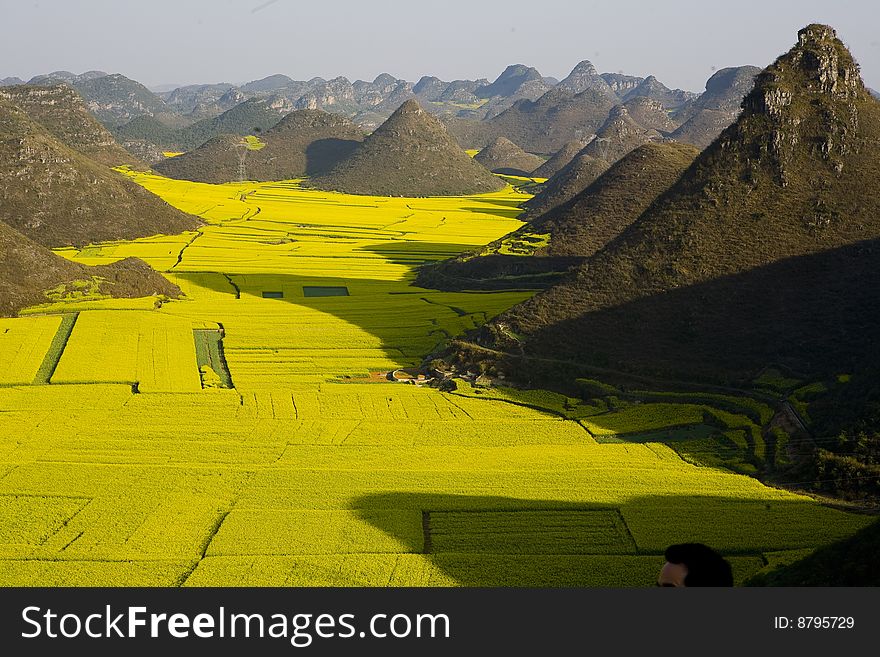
[(694, 564)]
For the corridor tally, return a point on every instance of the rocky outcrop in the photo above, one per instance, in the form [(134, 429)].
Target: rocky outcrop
[(60, 110)]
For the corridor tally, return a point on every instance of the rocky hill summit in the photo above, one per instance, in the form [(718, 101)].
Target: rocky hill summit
[(57, 196), (61, 110), (703, 119), (584, 76)]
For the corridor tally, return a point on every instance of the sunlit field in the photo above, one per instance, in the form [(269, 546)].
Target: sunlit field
[(247, 434)]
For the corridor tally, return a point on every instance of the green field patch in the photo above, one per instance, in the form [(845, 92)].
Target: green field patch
[(594, 531), (775, 380), (640, 418), (53, 355), (325, 291), (672, 435), (211, 360)]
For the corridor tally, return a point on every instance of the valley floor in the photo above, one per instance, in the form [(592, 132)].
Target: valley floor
[(125, 461)]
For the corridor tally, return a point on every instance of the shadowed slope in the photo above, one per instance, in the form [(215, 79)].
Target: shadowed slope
[(27, 270), (615, 200)]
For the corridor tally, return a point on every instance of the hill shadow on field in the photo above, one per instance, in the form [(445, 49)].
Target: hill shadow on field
[(506, 541), (414, 323), (414, 254)]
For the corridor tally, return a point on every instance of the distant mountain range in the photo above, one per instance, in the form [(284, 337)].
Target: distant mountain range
[(540, 115)]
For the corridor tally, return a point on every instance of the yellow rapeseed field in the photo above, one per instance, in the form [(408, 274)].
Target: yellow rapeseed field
[(23, 346), (312, 469)]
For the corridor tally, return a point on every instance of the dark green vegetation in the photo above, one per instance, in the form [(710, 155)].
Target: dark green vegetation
[(850, 562), (411, 154), (325, 291), (590, 220), (559, 159), (305, 142), (247, 118), (567, 183), (147, 128), (114, 99), (844, 416), (56, 196), (53, 355), (503, 156)]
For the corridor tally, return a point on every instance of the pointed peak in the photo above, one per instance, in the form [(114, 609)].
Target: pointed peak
[(584, 67), (408, 107), (826, 62), (653, 83), (384, 78), (819, 66)]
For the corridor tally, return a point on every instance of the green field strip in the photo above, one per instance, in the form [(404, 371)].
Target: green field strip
[(209, 352), (53, 356), (567, 531)]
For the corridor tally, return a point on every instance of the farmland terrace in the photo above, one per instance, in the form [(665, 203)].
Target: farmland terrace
[(237, 437)]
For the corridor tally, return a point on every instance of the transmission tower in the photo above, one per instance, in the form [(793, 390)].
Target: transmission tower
[(242, 148)]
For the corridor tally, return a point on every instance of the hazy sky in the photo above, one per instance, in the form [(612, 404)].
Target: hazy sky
[(189, 41)]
